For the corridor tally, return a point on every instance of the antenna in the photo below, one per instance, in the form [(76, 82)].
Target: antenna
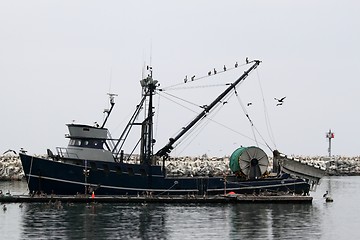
[(106, 110), (151, 53), (111, 69)]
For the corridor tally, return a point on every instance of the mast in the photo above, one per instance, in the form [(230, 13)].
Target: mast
[(149, 86), (169, 146), (146, 140)]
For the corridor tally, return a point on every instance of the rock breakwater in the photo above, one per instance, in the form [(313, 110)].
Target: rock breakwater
[(11, 168)]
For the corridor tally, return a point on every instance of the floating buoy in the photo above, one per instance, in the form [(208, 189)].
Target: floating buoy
[(231, 193), (329, 199), (93, 195)]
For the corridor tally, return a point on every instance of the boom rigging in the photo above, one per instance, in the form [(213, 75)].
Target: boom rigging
[(163, 152)]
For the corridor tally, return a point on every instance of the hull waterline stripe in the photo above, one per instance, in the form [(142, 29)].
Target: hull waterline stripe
[(165, 190), (113, 187)]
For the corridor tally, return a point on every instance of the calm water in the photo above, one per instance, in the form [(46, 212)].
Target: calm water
[(319, 220)]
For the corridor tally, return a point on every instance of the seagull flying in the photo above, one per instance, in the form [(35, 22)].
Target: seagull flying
[(280, 101)]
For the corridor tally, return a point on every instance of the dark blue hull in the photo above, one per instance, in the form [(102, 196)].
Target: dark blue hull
[(49, 176)]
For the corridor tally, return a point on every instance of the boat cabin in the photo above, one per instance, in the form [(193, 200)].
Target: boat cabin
[(86, 143)]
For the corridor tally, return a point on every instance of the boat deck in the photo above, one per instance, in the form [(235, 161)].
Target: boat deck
[(228, 198)]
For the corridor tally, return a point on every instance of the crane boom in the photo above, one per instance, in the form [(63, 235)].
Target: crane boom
[(169, 146)]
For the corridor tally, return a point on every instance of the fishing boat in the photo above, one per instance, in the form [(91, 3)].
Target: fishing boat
[(94, 162)]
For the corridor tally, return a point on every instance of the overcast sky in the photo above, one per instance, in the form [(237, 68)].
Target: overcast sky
[(58, 59)]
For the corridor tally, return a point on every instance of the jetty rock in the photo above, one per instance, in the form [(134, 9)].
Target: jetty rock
[(344, 166), (336, 165), (197, 166), (10, 167)]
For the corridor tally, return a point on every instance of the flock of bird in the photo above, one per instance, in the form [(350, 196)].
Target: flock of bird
[(280, 101), (214, 71)]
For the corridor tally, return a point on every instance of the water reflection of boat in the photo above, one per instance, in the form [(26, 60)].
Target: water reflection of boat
[(95, 162), (95, 221), (276, 221)]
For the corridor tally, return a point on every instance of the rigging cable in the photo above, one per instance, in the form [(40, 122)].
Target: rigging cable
[(193, 133), (168, 98), (196, 130), (247, 115), (267, 119), (253, 125), (199, 86), (207, 115), (179, 103), (233, 130), (213, 113), (184, 100), (193, 130)]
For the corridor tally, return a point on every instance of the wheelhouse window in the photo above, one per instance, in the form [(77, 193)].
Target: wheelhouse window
[(97, 144), (75, 142), (88, 143)]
